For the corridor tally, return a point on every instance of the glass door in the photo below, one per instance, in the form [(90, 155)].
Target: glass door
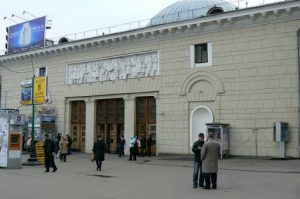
[(152, 132), (82, 139), (113, 138), (75, 136)]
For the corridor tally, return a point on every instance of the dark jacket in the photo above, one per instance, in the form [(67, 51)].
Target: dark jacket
[(99, 149), (197, 151), (149, 141), (49, 147), (143, 143)]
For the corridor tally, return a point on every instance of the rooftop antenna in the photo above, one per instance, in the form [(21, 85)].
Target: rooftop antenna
[(10, 19), (25, 12), (13, 15)]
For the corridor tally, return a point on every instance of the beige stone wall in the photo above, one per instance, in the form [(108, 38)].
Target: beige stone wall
[(256, 66), (258, 69)]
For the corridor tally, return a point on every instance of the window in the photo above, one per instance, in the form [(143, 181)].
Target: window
[(201, 55), (41, 72)]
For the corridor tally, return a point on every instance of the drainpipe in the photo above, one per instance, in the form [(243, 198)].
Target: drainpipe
[(298, 59)]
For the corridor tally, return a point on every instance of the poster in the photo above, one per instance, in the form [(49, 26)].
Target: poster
[(40, 155), (40, 90), (3, 141)]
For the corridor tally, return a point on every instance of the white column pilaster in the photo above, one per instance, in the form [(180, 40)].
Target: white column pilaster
[(129, 119), (159, 113), (67, 117), (89, 124)]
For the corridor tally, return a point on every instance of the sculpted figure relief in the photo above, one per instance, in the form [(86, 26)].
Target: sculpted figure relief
[(131, 66)]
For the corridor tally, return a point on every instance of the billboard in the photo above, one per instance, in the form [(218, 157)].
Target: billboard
[(27, 35)]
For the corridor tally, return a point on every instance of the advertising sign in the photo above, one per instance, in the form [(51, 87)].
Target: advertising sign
[(26, 92), (27, 35), (40, 90), (40, 155), (3, 141)]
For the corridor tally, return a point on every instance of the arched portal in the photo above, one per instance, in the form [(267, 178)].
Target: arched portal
[(200, 116)]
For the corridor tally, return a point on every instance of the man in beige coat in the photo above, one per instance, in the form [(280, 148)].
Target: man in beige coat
[(209, 155)]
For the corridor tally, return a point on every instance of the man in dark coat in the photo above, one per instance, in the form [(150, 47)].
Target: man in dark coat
[(209, 155), (143, 145), (49, 149), (99, 150), (197, 146), (149, 144)]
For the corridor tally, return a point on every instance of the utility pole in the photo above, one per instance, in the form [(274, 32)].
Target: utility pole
[(32, 161)]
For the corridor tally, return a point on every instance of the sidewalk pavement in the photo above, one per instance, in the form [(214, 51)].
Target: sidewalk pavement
[(160, 177)]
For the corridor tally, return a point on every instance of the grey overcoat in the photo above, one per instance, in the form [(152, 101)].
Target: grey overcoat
[(209, 156)]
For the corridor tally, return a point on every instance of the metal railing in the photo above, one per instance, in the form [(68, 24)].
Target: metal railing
[(180, 16)]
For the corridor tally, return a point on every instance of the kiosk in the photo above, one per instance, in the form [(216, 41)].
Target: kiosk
[(281, 132), (11, 127), (221, 134)]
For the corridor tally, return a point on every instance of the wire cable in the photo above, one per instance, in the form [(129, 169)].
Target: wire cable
[(11, 70)]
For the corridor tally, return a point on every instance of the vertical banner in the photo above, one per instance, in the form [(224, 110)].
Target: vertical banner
[(26, 92), (3, 141), (40, 90)]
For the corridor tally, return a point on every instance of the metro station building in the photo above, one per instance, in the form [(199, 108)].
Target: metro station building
[(196, 62)]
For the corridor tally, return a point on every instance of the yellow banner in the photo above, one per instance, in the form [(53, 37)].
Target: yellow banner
[(40, 90)]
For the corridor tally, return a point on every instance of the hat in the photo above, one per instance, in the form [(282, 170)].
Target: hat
[(46, 135)]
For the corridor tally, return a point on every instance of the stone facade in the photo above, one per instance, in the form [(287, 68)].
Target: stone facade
[(251, 84)]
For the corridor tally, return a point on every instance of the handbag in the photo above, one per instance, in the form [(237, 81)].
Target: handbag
[(92, 157)]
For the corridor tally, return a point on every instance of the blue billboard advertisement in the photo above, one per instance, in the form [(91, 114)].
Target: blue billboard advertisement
[(27, 35)]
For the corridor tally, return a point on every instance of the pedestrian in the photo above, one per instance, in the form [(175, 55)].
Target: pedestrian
[(57, 141), (209, 155), (149, 144), (63, 147), (143, 146), (138, 141), (121, 145), (99, 149), (70, 141), (198, 175), (123, 142), (132, 148), (49, 150)]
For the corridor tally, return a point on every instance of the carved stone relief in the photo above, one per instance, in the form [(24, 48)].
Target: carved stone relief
[(125, 67)]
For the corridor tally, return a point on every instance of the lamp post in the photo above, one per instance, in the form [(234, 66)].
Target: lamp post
[(32, 160)]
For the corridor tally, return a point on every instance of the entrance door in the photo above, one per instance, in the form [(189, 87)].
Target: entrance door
[(75, 136), (78, 137), (82, 138), (78, 125), (112, 137), (110, 121), (146, 119), (152, 132)]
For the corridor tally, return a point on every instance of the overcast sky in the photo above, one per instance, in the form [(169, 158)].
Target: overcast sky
[(71, 16)]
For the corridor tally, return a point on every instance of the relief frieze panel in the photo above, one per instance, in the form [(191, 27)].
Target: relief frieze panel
[(116, 68)]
